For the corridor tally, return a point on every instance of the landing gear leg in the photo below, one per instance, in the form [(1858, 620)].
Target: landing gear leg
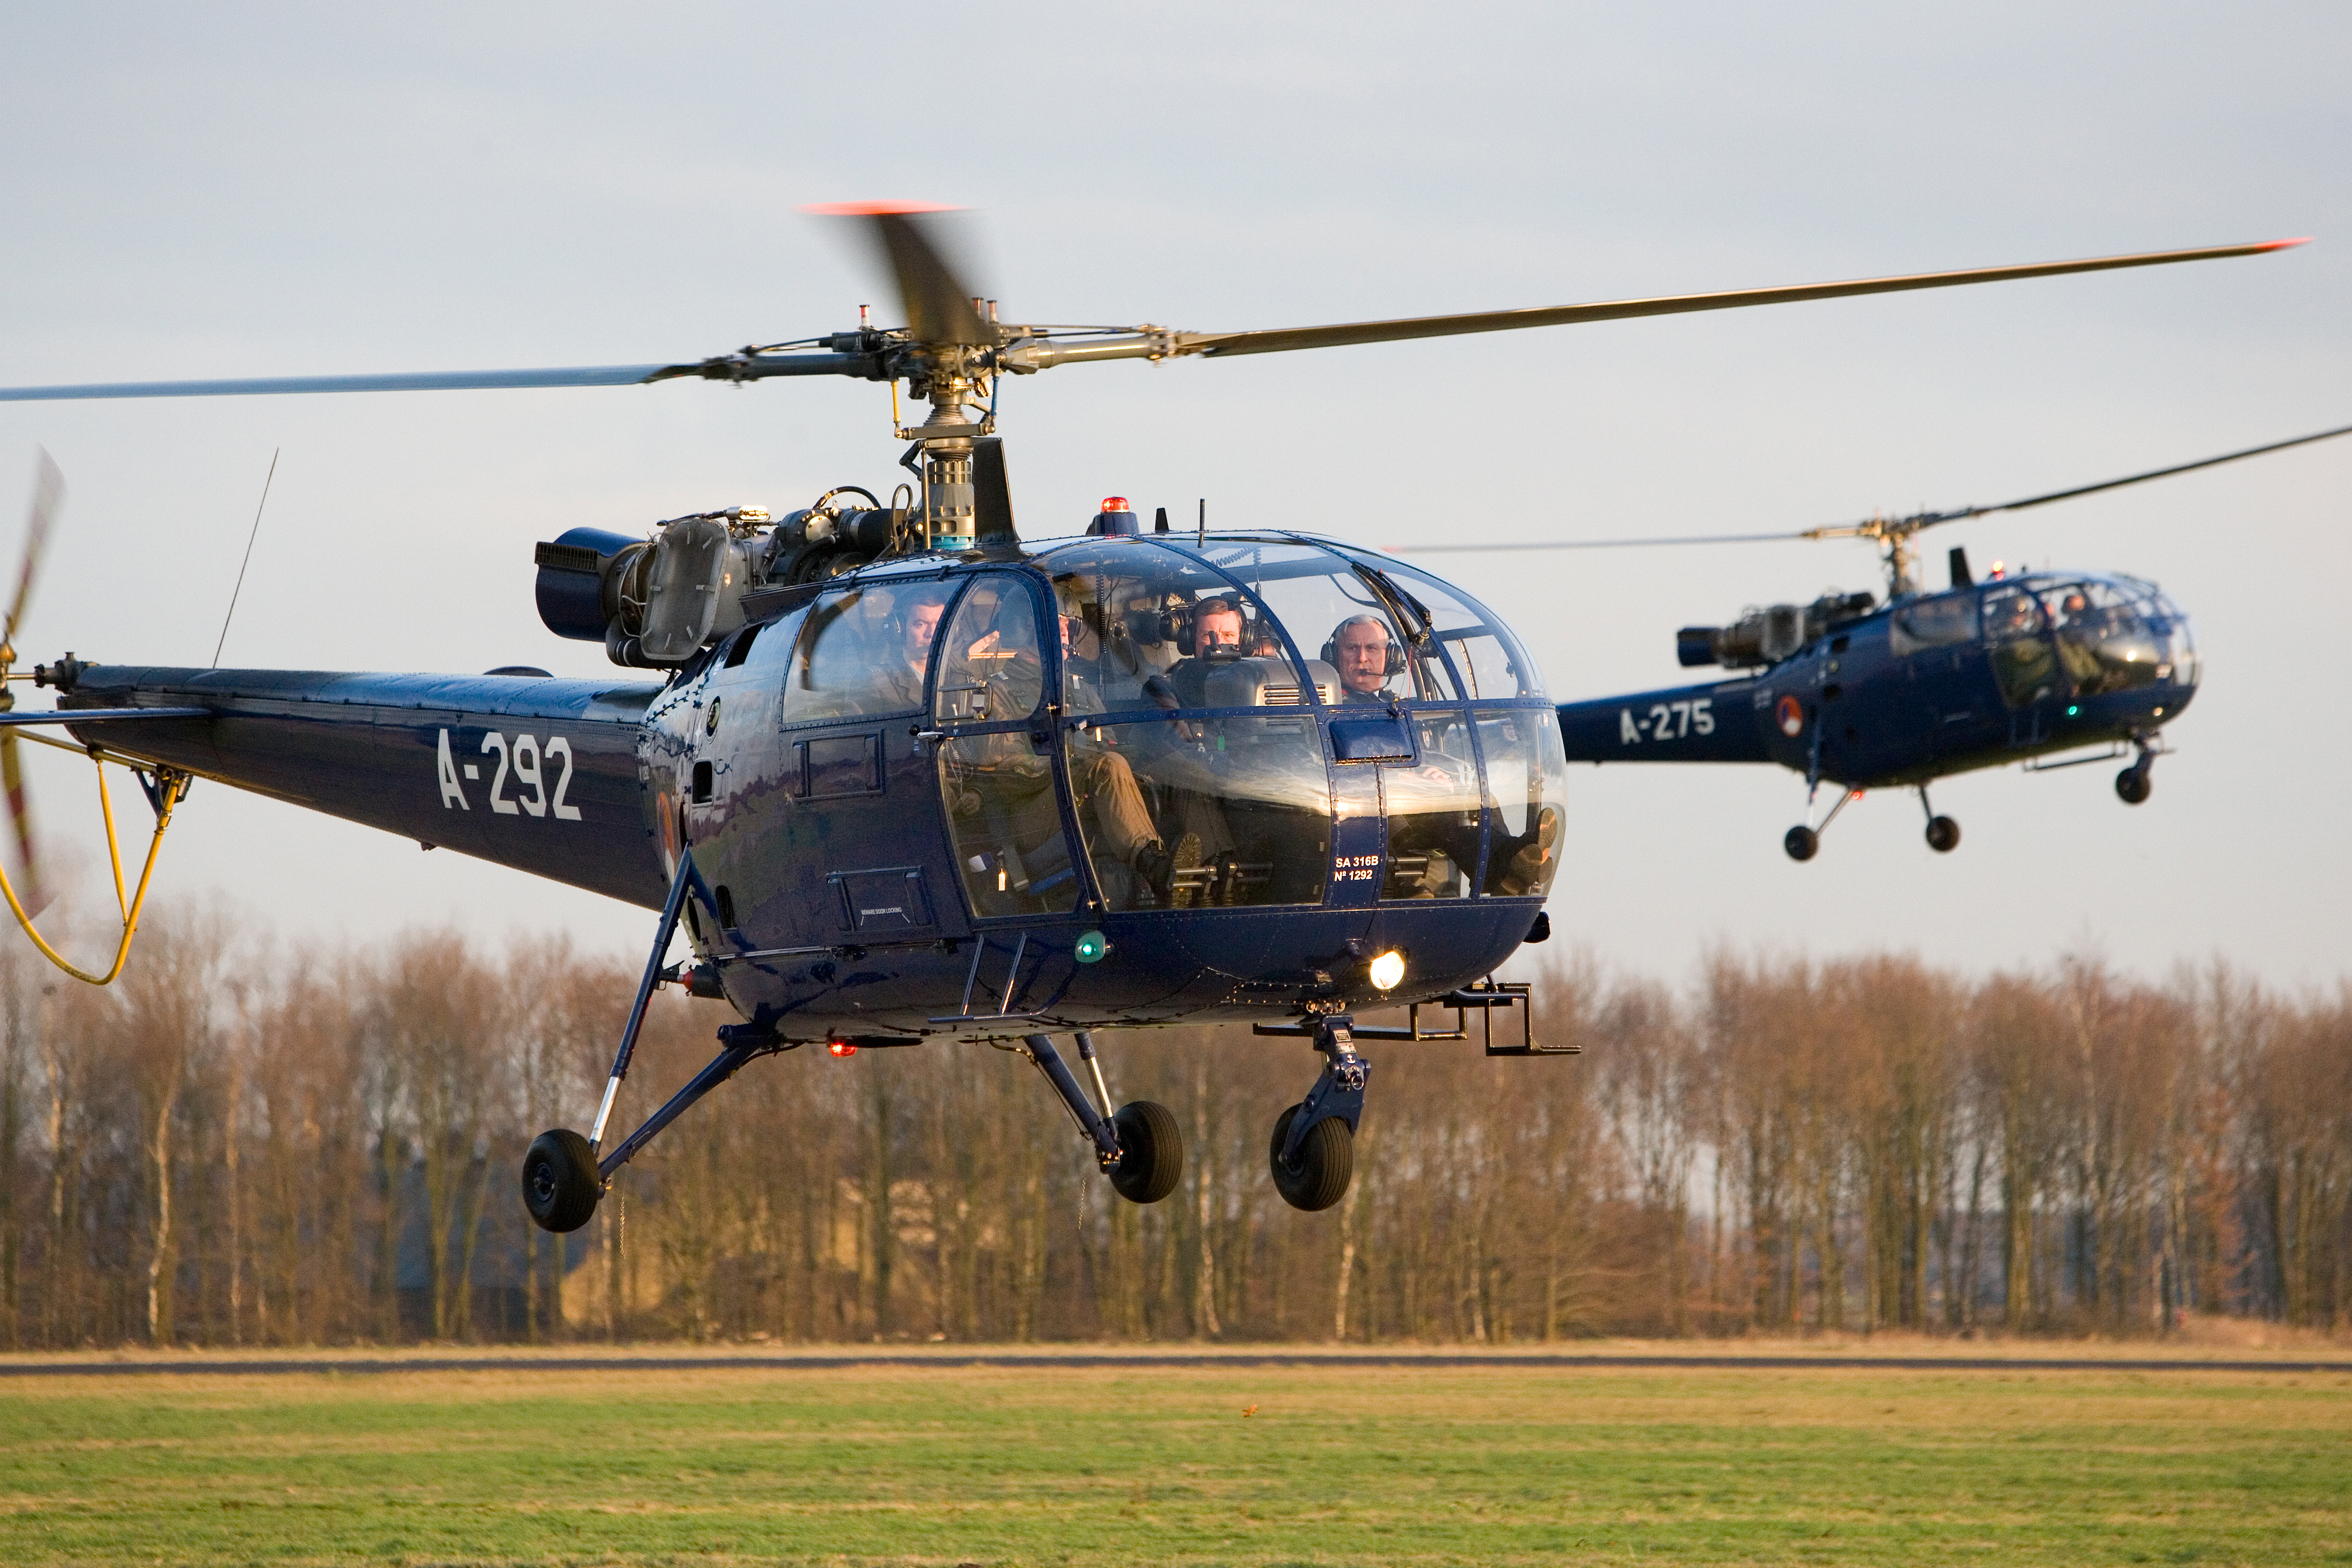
[(1942, 833), (1314, 1149), (1137, 1145), (1804, 842), (563, 1179), (2133, 783)]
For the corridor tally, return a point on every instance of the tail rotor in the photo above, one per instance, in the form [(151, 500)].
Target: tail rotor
[(48, 501)]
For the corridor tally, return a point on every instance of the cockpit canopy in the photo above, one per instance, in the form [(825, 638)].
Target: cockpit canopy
[(2110, 633), (1197, 774), (1251, 623)]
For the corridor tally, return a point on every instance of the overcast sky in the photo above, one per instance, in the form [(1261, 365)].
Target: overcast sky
[(251, 189)]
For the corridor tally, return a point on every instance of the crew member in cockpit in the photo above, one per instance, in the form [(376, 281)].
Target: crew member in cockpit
[(901, 679), (1364, 650), (1433, 840)]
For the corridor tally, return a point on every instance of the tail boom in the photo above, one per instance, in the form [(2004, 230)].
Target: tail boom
[(538, 774)]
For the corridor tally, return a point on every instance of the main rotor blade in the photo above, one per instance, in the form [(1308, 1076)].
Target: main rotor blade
[(1283, 339), (937, 303), (426, 380), (1593, 544), (1929, 521), (1910, 524)]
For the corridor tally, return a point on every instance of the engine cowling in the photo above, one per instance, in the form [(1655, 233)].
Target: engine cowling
[(1767, 636), (654, 602)]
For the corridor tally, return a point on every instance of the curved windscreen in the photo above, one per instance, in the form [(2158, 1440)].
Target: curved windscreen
[(1342, 620), (1488, 660), (2115, 636)]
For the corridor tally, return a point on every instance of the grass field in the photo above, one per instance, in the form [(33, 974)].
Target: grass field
[(1068, 1465)]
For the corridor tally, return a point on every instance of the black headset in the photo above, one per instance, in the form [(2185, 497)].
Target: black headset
[(1394, 665), (1181, 625)]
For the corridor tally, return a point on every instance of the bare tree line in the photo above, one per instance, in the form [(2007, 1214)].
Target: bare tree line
[(240, 1146)]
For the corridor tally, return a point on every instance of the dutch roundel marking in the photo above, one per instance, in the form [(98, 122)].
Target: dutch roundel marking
[(1791, 715), (1666, 721), (525, 762)]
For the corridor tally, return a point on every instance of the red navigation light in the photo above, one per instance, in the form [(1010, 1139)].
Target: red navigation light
[(1115, 504), (841, 1048)]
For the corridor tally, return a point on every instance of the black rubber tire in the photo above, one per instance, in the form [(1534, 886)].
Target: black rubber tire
[(561, 1185), (1802, 843), (1943, 835), (2132, 785), (1150, 1151), (1327, 1159)]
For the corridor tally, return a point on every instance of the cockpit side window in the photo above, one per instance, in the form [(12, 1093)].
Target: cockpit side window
[(991, 668), (995, 782), (863, 651), (2012, 612), (1943, 621), (1487, 659), (2022, 660)]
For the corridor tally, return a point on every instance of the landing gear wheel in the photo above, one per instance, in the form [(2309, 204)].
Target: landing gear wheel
[(1802, 843), (1943, 835), (2133, 785), (561, 1182), (1150, 1151), (1327, 1159)]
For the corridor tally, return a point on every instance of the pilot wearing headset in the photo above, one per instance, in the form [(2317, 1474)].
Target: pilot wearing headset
[(901, 677), (1366, 654)]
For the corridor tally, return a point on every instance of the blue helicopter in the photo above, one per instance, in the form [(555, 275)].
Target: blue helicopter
[(1867, 694), (904, 776)]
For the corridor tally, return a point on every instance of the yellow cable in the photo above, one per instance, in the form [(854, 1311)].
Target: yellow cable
[(169, 787), (113, 845)]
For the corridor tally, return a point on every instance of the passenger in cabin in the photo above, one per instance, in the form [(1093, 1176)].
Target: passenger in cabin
[(1216, 641), (1189, 761)]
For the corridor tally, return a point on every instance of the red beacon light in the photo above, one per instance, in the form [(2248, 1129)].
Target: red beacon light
[(841, 1048), (1116, 518)]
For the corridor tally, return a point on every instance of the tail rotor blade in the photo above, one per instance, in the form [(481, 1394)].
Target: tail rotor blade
[(938, 302), (30, 892), (48, 500)]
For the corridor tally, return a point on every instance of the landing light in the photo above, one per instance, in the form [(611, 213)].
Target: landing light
[(1386, 970), (1091, 948)]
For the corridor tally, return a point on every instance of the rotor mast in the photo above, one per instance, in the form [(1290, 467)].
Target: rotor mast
[(957, 382), (1892, 536)]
